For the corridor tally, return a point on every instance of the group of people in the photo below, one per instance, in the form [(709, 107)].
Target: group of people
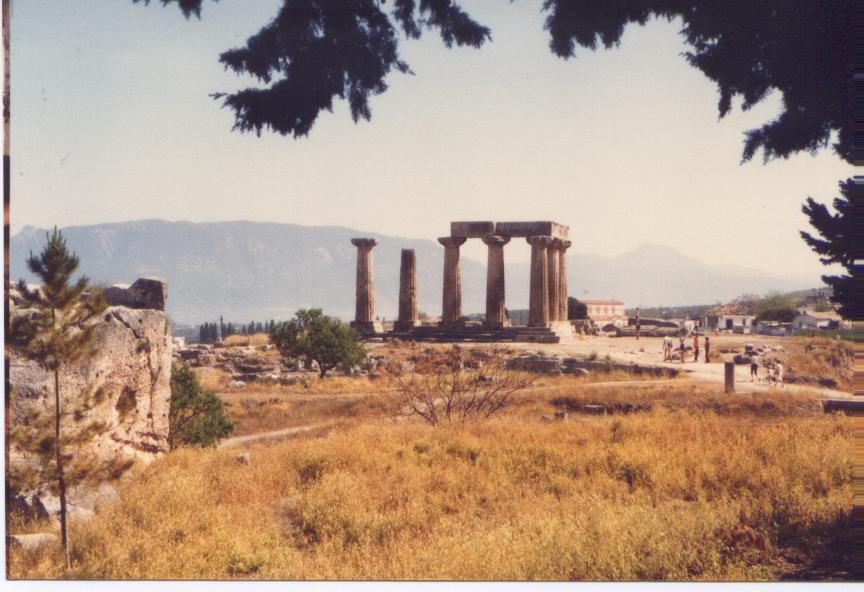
[(682, 348), (773, 370)]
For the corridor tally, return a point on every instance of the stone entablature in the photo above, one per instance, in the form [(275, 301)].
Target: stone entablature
[(481, 228)]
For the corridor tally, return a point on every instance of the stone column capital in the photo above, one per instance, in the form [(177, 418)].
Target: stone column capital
[(540, 241), (364, 242), (565, 244), (452, 241), (494, 240)]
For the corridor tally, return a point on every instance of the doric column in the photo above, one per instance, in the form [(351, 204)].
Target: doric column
[(407, 292), (538, 307), (364, 316), (562, 279), (495, 315), (451, 310), (552, 278)]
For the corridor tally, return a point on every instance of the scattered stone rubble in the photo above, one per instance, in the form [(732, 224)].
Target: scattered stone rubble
[(752, 351), (245, 364), (535, 362)]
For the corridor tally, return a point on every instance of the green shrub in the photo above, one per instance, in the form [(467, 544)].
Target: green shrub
[(315, 337), (197, 417)]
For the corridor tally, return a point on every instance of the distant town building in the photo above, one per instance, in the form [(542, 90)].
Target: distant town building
[(605, 311), (730, 317), (818, 320)]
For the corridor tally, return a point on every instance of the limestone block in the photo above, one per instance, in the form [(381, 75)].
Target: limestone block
[(539, 228), (472, 229), (144, 293)]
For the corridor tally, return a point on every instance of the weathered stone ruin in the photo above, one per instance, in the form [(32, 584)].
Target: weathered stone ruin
[(547, 319), (129, 379), (364, 317), (408, 316)]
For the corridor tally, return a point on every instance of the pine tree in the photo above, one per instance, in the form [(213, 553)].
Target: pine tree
[(801, 49), (55, 332), (837, 245)]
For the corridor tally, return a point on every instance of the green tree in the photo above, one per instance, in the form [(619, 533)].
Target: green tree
[(54, 330), (772, 301), (197, 417), (314, 51), (315, 337), (782, 315), (576, 309), (837, 245)]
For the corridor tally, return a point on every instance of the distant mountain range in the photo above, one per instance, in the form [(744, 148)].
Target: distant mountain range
[(248, 271)]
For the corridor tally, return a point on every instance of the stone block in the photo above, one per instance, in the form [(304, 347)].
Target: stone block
[(472, 229), (538, 228), (144, 293), (31, 541), (594, 409), (540, 366)]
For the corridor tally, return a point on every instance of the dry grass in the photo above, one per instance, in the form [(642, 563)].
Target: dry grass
[(256, 413), (254, 339), (211, 379), (262, 408), (674, 395), (823, 358), (667, 494)]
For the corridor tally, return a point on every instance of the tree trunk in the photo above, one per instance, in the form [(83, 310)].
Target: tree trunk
[(61, 479), (7, 21)]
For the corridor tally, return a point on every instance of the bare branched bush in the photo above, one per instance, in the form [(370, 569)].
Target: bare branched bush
[(439, 387)]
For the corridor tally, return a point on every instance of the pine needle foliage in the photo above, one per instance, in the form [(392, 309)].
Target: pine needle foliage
[(55, 330), (837, 244)]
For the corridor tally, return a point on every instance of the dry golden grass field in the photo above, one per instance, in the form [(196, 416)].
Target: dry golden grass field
[(694, 485)]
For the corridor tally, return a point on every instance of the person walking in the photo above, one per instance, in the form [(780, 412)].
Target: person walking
[(754, 368), (667, 349), (707, 347), (695, 347), (681, 347), (779, 373)]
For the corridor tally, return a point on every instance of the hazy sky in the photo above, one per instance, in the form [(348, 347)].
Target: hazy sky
[(112, 121)]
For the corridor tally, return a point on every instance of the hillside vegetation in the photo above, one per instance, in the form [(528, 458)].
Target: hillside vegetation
[(757, 490)]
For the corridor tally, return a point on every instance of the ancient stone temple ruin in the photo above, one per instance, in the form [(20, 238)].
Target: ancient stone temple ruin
[(364, 316), (547, 310)]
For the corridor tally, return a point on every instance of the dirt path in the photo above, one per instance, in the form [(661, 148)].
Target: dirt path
[(273, 435), (233, 395)]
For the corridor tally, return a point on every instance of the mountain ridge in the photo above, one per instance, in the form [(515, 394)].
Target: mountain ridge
[(246, 270)]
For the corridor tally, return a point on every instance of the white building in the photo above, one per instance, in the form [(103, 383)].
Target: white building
[(603, 312), (817, 320)]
